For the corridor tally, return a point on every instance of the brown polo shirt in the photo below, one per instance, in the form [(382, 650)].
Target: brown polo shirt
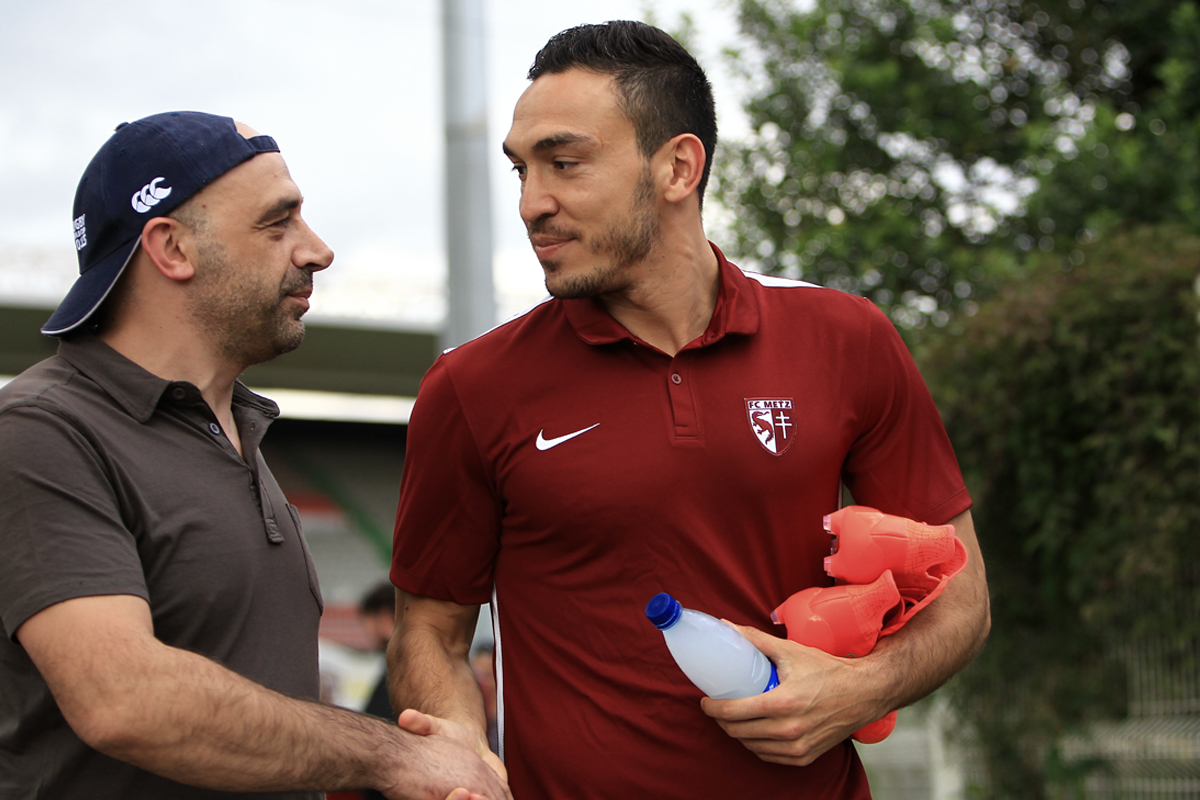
[(114, 481)]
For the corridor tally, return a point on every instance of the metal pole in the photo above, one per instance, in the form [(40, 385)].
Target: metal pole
[(471, 306)]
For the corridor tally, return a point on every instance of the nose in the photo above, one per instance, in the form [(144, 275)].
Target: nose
[(312, 253), (537, 201)]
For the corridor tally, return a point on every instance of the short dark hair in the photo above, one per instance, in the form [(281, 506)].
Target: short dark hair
[(380, 598), (661, 88)]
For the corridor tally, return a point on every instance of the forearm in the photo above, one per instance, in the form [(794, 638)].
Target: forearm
[(195, 722), (429, 664), (182, 716), (939, 640)]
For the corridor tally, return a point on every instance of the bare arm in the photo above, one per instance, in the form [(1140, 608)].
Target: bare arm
[(822, 699), (182, 716), (429, 670), (932, 647)]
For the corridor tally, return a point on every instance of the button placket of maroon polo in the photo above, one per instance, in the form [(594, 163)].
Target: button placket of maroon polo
[(683, 403)]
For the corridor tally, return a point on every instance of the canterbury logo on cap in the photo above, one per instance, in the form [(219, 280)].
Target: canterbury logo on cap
[(149, 195)]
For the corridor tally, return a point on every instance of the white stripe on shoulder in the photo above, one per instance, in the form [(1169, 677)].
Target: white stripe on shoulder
[(779, 282), (513, 318)]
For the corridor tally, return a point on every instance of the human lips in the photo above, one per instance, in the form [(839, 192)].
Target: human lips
[(299, 290), (302, 303), (546, 245)]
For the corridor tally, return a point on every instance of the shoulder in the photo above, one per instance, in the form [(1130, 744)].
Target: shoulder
[(787, 300), (46, 385), (515, 340), (55, 405), (43, 416), (506, 368)]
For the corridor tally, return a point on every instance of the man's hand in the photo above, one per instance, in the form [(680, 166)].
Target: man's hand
[(819, 703), (822, 700), (422, 724), (434, 760)]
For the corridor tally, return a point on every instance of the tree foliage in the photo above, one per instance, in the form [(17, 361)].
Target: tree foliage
[(916, 150), (1071, 400)]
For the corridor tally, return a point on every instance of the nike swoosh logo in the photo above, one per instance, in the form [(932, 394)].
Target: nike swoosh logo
[(545, 444)]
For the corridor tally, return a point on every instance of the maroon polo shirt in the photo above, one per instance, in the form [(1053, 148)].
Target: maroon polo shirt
[(567, 471)]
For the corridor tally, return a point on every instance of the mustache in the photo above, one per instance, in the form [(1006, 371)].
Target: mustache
[(302, 280), (543, 225)]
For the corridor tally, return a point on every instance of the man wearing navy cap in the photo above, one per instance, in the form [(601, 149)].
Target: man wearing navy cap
[(158, 603)]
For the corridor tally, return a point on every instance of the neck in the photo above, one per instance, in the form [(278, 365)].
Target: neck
[(176, 353), (673, 301)]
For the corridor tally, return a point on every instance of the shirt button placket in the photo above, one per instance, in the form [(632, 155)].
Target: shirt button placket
[(683, 410)]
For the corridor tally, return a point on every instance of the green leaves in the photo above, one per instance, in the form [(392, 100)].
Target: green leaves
[(917, 152), (1071, 398), (892, 143)]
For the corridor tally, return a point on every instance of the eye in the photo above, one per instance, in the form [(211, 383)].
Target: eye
[(283, 222), (520, 170)]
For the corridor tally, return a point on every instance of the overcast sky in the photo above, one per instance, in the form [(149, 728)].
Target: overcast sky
[(351, 90)]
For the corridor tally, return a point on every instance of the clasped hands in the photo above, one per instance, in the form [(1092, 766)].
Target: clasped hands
[(423, 724)]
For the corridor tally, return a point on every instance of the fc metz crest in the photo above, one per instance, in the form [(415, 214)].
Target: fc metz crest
[(771, 422)]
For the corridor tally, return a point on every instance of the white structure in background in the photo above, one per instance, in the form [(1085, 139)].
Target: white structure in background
[(917, 762), (470, 292), (1153, 754)]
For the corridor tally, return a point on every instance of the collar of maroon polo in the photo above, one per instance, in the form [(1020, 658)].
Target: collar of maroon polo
[(736, 312)]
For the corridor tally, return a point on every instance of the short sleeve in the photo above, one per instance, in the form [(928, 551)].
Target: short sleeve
[(902, 461), (61, 531), (449, 519)]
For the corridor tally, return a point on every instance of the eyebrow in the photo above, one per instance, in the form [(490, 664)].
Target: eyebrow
[(553, 141), (282, 206)]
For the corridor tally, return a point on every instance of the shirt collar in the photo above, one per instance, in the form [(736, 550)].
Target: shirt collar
[(736, 312), (132, 387)]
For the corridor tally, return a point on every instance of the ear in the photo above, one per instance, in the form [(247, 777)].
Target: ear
[(170, 246), (685, 157)]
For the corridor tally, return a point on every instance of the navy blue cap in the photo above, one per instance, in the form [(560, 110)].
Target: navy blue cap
[(663, 610), (146, 169)]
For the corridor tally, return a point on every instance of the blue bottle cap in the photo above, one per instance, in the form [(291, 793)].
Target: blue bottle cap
[(663, 610), (773, 681)]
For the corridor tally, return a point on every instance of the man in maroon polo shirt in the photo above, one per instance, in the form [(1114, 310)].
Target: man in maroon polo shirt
[(665, 422)]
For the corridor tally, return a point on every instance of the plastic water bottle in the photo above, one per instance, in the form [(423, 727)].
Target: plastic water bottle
[(712, 654)]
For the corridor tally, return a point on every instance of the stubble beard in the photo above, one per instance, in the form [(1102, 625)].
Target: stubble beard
[(230, 307), (625, 242)]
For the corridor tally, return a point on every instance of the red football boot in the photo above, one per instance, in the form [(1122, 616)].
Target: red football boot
[(866, 542), (842, 620)]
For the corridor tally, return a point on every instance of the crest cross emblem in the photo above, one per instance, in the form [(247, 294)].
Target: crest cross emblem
[(772, 421)]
